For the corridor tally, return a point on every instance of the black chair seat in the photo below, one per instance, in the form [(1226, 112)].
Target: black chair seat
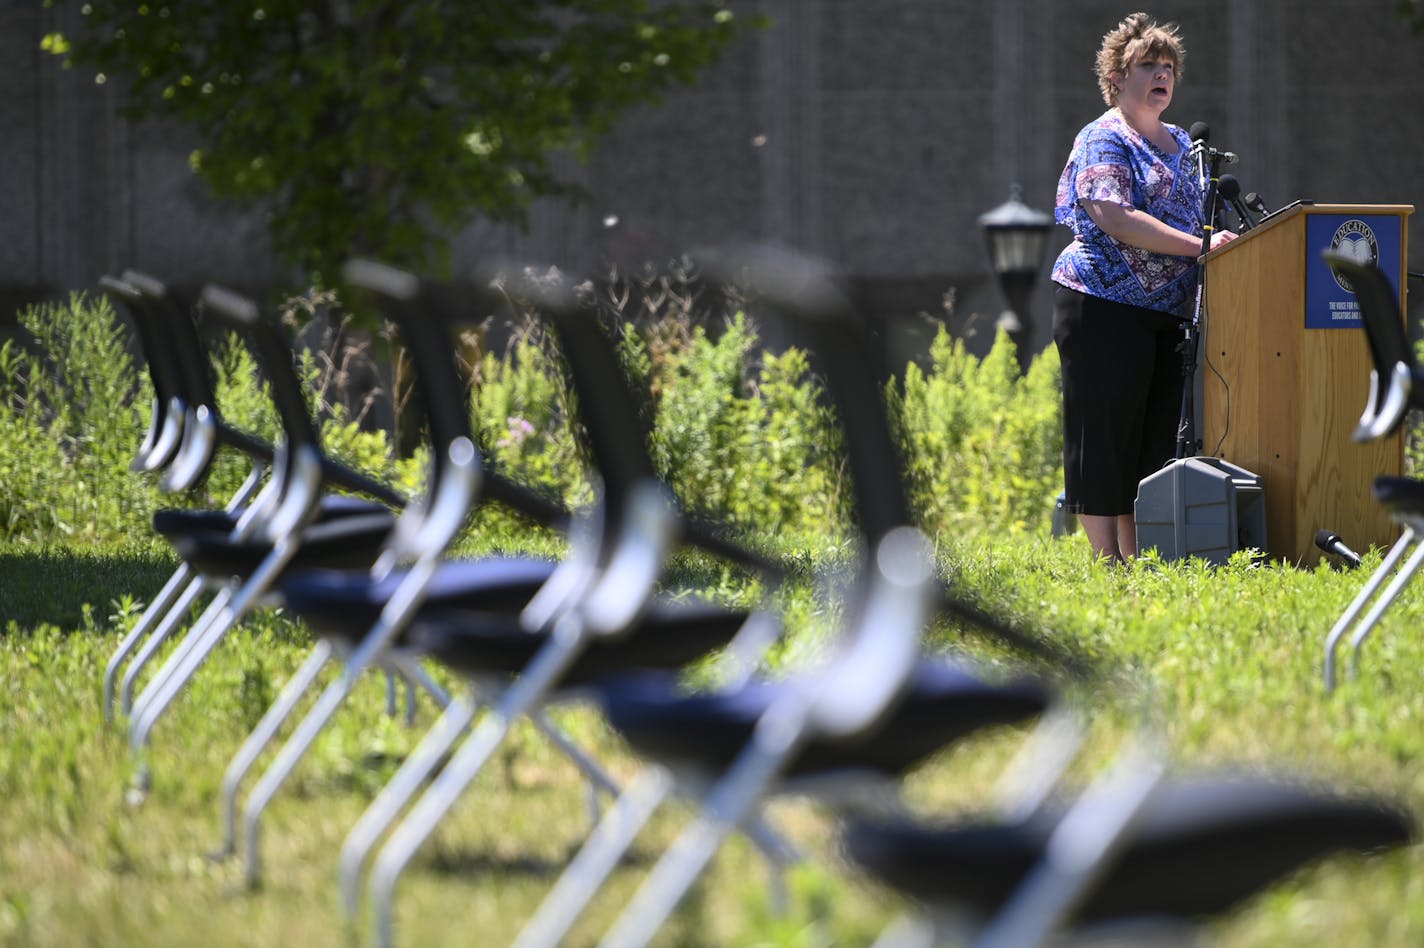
[(342, 543), (171, 522), (669, 635), (346, 603), (1401, 495), (941, 704), (1198, 848)]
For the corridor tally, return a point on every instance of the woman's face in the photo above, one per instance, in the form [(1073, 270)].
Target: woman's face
[(1147, 84)]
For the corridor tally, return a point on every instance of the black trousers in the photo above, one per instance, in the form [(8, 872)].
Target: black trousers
[(1122, 398)]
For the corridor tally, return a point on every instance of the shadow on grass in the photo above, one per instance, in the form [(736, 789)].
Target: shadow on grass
[(52, 586), (446, 861)]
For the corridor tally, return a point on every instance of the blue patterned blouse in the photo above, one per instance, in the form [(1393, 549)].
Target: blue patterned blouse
[(1112, 161)]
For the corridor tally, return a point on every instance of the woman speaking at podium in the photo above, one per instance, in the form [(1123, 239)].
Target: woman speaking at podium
[(1130, 195)]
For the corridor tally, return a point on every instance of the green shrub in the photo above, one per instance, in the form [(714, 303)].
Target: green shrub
[(1414, 432), (522, 411), (983, 444), (752, 445), (70, 424)]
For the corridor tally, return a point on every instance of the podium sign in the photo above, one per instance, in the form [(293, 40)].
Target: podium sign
[(1369, 238), (1285, 372)]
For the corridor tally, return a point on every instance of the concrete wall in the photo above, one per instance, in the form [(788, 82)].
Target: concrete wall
[(874, 132)]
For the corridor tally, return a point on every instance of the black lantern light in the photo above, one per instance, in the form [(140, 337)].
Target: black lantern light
[(1016, 235)]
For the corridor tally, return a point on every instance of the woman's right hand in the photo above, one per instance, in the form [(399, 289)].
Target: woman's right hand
[(1221, 238)]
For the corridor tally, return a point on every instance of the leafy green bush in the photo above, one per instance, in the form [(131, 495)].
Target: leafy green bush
[(984, 445), (69, 423), (72, 412), (523, 410), (753, 445), (1414, 433)]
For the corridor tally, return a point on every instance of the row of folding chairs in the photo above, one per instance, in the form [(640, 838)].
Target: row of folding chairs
[(374, 580)]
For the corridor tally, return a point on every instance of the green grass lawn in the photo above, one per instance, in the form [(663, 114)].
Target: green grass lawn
[(1227, 660)]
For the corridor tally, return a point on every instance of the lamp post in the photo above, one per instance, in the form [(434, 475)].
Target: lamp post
[(1016, 235)]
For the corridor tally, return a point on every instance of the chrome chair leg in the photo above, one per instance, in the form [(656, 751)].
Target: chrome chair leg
[(157, 610), (552, 661), (1386, 599), (206, 639), (1362, 599), (133, 704), (386, 808), (596, 859), (726, 808), (263, 734)]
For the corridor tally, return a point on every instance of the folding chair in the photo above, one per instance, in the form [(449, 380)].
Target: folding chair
[(615, 623), (876, 707), (165, 425), (1135, 849), (360, 616), (184, 435), (1396, 385), (280, 529), (160, 446), (343, 607)]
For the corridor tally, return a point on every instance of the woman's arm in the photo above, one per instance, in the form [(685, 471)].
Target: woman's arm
[(1140, 229)]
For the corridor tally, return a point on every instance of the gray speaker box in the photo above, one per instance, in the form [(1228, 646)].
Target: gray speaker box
[(1201, 506)]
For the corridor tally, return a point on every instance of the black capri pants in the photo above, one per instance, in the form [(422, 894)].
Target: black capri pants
[(1122, 398)]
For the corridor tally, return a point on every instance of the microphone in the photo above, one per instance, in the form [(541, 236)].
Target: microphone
[(1330, 542), (1255, 202), (1230, 190), (1200, 134)]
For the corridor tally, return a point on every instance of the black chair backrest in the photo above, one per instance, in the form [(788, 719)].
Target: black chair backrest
[(163, 370), (298, 457), (841, 340), (851, 355), (183, 340), (617, 438), (194, 373), (425, 331), (1396, 379), (274, 356), (895, 588), (156, 352), (616, 427), (426, 315)]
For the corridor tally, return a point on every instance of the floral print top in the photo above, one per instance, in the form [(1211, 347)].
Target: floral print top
[(1112, 161)]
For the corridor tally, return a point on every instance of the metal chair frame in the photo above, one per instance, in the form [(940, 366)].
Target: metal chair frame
[(1396, 385)]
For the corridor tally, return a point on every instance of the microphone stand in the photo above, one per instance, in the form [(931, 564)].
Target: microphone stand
[(1187, 445)]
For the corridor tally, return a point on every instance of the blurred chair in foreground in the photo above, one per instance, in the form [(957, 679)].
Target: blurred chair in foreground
[(844, 731), (360, 614), (1396, 386), (621, 622)]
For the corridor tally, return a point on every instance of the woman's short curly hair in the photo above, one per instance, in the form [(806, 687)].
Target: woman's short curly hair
[(1135, 39)]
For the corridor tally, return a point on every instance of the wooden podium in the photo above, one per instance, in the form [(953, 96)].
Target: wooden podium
[(1284, 367)]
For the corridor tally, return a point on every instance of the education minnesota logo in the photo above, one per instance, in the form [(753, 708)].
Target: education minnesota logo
[(1356, 240)]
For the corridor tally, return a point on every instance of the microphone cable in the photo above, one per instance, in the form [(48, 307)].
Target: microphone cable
[(1225, 387)]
